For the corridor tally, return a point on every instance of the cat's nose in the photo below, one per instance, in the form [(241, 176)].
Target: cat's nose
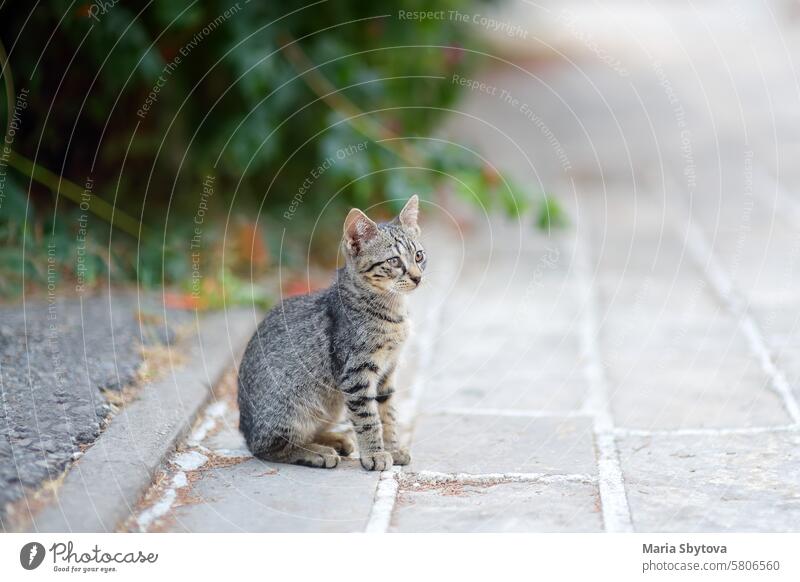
[(415, 278)]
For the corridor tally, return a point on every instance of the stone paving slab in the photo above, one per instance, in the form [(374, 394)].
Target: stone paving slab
[(779, 324), (528, 311), (505, 261), (497, 444), (677, 358), (230, 491), (493, 356), (502, 507), (673, 339), (696, 398), (646, 298), (512, 389), (765, 266), (755, 215), (255, 496), (789, 363), (509, 251), (458, 326), (781, 329), (511, 298), (721, 483), (454, 345), (692, 376), (651, 254), (502, 349)]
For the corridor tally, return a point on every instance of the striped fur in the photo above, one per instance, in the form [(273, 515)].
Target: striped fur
[(319, 358)]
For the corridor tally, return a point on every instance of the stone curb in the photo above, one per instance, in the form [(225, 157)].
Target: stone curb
[(103, 487)]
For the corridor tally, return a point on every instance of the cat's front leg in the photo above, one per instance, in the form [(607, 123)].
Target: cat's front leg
[(385, 389), (359, 385)]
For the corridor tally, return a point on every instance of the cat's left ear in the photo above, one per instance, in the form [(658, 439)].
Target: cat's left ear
[(410, 213)]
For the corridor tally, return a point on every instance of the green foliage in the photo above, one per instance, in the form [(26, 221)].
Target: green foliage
[(149, 99), (551, 215), (13, 259)]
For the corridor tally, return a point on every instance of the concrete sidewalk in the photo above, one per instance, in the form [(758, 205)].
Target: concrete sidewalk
[(499, 418), (546, 391)]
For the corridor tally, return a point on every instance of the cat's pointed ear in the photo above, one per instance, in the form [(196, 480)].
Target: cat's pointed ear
[(410, 213), (358, 230)]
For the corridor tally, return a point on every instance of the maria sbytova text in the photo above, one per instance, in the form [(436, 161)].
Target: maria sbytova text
[(694, 550)]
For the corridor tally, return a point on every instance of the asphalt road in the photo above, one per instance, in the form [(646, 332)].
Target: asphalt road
[(59, 362)]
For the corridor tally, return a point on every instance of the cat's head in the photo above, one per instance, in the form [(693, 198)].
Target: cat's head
[(387, 257)]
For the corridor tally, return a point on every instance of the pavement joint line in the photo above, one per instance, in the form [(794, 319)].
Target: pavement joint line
[(613, 499), (210, 417), (736, 305), (510, 412), (492, 478), (386, 490), (385, 497), (164, 504), (211, 414), (626, 432)]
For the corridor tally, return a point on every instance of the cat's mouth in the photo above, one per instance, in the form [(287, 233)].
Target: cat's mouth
[(406, 286)]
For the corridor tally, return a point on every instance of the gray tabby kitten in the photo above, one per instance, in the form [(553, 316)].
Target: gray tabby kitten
[(316, 356)]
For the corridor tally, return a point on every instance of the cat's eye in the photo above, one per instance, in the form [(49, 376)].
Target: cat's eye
[(394, 261), (420, 256)]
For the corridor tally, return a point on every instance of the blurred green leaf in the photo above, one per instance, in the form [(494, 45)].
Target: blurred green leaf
[(550, 215)]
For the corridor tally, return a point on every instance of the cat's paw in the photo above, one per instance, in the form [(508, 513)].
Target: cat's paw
[(401, 456), (342, 443), (379, 461), (345, 445), (321, 460)]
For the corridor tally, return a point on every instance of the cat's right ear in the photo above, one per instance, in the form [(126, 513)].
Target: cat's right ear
[(358, 231)]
